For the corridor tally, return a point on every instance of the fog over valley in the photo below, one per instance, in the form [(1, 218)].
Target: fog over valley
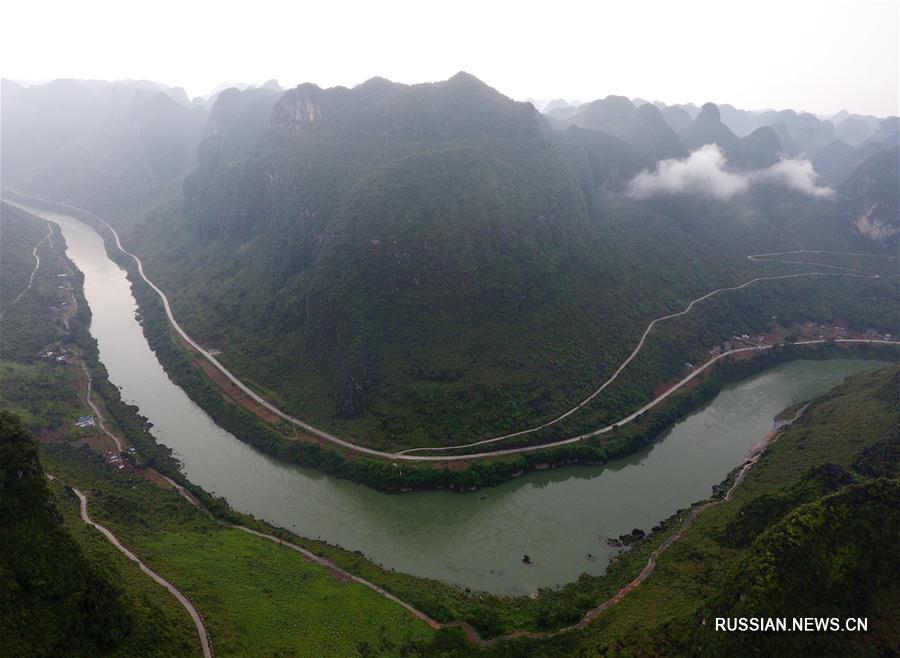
[(344, 329)]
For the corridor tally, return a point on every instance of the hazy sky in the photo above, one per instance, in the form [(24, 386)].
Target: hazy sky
[(820, 56)]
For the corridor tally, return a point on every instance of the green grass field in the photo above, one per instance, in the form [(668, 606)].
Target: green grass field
[(262, 599), (258, 598), (164, 627)]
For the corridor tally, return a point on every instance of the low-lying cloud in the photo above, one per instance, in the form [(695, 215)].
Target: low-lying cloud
[(704, 172)]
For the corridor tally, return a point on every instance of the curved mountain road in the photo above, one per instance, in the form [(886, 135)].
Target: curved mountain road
[(37, 266), (182, 599), (471, 633), (405, 455)]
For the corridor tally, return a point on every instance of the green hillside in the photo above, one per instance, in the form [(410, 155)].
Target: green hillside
[(822, 508), (56, 597), (410, 265), (429, 264)]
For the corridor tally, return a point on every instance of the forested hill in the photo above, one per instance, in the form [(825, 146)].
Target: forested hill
[(53, 601), (412, 264), (418, 264)]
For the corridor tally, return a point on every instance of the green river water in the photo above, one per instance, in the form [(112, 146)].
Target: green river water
[(474, 539)]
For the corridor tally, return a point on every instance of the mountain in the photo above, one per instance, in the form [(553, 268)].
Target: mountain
[(760, 149), (888, 132), (557, 104), (643, 127), (109, 143), (452, 203), (690, 108), (837, 161), (238, 117), (854, 129), (677, 117), (53, 602), (872, 197), (807, 132), (790, 147), (707, 128), (609, 162), (740, 122), (830, 159), (418, 264)]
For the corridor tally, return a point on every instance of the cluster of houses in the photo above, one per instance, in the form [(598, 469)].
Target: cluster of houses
[(60, 355), (84, 421), (736, 342), (810, 330), (824, 332), (117, 461)]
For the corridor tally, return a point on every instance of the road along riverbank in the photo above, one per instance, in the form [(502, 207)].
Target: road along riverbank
[(407, 455)]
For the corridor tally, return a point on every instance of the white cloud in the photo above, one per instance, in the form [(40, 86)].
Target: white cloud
[(796, 174), (704, 172)]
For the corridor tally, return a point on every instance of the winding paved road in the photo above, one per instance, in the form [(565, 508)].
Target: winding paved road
[(405, 455), (182, 599)]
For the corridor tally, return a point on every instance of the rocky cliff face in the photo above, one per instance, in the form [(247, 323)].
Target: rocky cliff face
[(298, 107), (872, 196)]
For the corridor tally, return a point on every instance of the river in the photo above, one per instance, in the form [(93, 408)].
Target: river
[(472, 539)]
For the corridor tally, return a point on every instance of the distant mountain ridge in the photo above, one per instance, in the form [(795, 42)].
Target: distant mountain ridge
[(415, 264)]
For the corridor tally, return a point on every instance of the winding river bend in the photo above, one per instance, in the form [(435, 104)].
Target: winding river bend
[(471, 539)]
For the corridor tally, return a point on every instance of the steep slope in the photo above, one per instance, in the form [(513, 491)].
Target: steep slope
[(829, 160), (707, 128), (760, 149), (643, 127), (109, 145), (806, 131), (740, 122), (54, 603), (871, 198), (854, 129), (394, 229), (677, 117), (410, 265), (791, 149)]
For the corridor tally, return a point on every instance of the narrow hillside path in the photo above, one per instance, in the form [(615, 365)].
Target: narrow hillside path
[(182, 599), (749, 462), (87, 398), (405, 455), (640, 344), (471, 633), (37, 265)]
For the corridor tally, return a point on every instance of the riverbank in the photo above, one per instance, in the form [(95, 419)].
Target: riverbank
[(538, 618), (457, 473), (462, 474), (494, 615)]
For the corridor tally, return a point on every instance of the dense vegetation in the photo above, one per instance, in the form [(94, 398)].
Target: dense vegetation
[(830, 550), (67, 592), (431, 264), (54, 599), (847, 438)]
